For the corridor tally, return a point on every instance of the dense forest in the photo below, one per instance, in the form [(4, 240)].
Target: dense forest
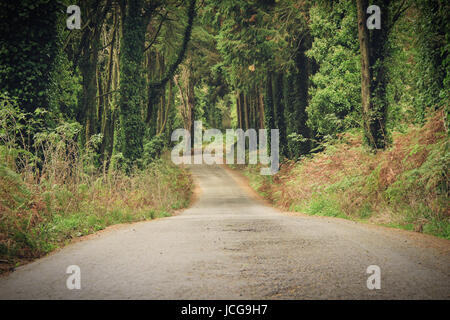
[(87, 111)]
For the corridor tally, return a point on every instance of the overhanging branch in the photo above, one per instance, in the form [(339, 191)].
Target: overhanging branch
[(187, 35)]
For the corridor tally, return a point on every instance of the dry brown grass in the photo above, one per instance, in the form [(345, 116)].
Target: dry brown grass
[(52, 213), (43, 206), (405, 185)]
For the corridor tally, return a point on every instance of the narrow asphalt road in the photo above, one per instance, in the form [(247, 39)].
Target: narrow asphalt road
[(230, 246)]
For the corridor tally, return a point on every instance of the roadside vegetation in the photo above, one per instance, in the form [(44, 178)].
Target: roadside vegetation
[(405, 186), (362, 113), (47, 201)]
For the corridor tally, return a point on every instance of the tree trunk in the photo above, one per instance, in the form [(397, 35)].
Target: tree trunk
[(168, 107), (268, 107), (373, 75), (132, 82), (238, 110), (279, 110), (246, 111), (261, 108), (88, 68), (191, 104), (107, 124)]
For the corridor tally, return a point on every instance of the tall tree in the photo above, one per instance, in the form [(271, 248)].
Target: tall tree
[(132, 82), (296, 88), (88, 59)]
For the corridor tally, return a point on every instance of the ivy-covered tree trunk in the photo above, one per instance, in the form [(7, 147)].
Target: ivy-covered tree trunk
[(88, 68), (88, 62), (132, 82), (28, 47), (295, 103)]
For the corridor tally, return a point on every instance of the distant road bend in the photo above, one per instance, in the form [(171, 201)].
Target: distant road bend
[(230, 246)]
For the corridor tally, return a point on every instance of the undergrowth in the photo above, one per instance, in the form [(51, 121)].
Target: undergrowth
[(405, 186), (48, 200)]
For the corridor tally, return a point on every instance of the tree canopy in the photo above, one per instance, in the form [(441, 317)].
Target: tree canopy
[(138, 69)]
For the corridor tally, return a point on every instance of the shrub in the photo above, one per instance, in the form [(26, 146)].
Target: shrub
[(153, 149)]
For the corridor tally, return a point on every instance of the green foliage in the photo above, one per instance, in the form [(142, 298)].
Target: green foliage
[(47, 202), (433, 60), (27, 50), (323, 205), (16, 129), (35, 223), (336, 86), (153, 149), (402, 90), (67, 94), (405, 187), (211, 106), (242, 40), (13, 192), (430, 178), (64, 89)]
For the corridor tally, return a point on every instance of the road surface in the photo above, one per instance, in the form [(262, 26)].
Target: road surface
[(229, 245)]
